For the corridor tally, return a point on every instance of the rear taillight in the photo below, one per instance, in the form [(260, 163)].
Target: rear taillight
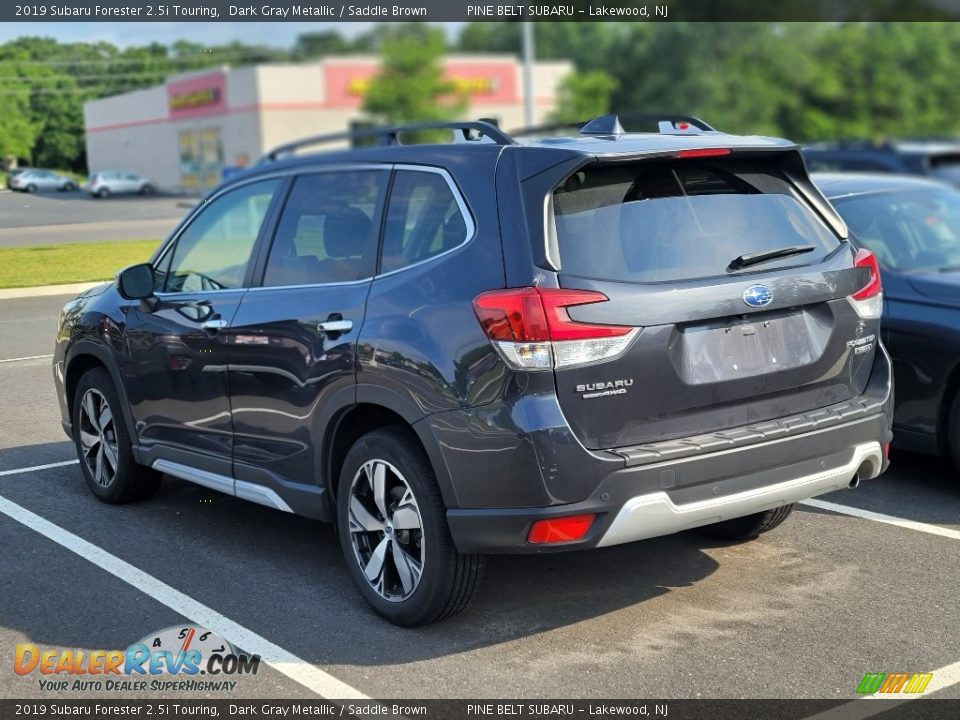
[(533, 330), (868, 300)]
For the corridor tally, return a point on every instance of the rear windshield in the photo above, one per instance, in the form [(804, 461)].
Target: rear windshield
[(678, 220)]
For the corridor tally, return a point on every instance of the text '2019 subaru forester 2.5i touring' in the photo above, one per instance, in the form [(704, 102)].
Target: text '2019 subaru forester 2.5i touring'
[(458, 349)]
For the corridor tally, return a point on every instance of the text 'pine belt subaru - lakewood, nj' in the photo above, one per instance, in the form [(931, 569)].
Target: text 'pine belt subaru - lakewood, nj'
[(487, 346)]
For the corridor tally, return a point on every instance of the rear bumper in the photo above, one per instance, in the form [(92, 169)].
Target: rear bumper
[(636, 503), (654, 514)]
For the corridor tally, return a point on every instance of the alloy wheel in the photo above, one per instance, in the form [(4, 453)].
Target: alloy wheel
[(98, 437), (386, 530)]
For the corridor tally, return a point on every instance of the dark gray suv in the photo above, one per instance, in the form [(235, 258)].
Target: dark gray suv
[(457, 349)]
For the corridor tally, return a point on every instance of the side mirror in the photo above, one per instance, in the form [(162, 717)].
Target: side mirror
[(136, 282)]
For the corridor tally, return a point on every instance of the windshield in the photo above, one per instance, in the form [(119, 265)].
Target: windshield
[(679, 220), (912, 230)]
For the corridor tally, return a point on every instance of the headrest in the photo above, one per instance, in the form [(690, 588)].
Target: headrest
[(346, 233)]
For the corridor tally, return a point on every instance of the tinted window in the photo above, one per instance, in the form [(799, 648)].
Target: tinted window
[(326, 232), (907, 230), (213, 252), (423, 219), (650, 222)]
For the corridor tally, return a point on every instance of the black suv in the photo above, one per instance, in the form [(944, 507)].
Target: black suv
[(939, 159), (473, 347)]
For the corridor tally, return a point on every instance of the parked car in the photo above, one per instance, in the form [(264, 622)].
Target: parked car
[(116, 182), (482, 347), (912, 225), (13, 172), (939, 159), (32, 180)]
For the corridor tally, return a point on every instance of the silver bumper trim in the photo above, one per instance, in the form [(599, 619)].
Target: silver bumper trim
[(655, 514)]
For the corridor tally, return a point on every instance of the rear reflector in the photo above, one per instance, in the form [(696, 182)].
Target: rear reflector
[(868, 300), (533, 330), (560, 530), (703, 152)]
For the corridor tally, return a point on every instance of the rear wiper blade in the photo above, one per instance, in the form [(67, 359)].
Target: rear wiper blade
[(748, 259)]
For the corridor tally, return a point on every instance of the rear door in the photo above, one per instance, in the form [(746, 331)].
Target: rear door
[(726, 335), (293, 340)]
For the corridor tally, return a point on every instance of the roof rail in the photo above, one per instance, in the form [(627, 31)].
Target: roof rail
[(469, 131)]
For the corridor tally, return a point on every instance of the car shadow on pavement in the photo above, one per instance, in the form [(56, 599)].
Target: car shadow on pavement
[(284, 577)]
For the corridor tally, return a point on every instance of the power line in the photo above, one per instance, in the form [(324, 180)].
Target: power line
[(84, 78), (251, 54)]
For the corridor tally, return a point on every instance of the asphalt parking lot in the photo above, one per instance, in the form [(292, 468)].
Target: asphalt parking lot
[(803, 612), (50, 218)]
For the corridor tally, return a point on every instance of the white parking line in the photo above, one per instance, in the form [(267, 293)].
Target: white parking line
[(21, 471), (29, 357), (860, 708), (888, 519), (273, 655)]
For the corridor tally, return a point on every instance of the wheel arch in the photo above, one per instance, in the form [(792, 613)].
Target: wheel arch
[(84, 356), (375, 408)]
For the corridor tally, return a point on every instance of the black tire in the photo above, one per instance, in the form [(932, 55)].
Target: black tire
[(448, 579), (31, 188), (749, 526), (129, 481), (70, 187), (953, 432), (103, 193), (147, 189)]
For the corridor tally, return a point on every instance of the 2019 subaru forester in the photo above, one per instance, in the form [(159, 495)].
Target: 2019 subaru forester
[(483, 346)]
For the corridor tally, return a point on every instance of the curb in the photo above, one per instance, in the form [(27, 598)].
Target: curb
[(47, 290)]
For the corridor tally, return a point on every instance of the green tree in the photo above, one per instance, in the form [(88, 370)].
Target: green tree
[(583, 95), (410, 86)]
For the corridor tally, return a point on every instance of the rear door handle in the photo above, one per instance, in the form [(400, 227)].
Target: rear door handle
[(335, 326), (214, 324)]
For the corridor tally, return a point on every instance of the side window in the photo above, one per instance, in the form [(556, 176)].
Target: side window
[(214, 250), (423, 219), (326, 232)]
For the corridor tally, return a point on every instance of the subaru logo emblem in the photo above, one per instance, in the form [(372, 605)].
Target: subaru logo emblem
[(757, 296)]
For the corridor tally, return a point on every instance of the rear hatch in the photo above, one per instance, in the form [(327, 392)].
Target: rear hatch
[(735, 295)]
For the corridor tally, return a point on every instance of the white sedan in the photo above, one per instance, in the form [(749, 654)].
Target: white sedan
[(35, 180)]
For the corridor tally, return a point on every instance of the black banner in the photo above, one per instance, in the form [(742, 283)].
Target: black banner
[(480, 10), (886, 709)]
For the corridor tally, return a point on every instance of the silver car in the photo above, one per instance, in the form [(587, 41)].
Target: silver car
[(117, 182), (36, 180)]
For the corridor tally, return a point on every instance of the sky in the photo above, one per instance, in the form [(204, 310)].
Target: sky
[(281, 34)]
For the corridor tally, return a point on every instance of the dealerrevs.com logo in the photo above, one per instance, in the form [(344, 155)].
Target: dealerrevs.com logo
[(184, 658)]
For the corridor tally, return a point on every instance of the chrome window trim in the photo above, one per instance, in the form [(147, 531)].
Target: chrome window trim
[(198, 209), (457, 196), (316, 170), (461, 204), (260, 288)]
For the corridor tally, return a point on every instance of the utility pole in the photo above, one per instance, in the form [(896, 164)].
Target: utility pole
[(528, 73)]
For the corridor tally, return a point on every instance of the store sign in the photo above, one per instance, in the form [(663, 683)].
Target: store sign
[(195, 99), (481, 82), (198, 96)]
